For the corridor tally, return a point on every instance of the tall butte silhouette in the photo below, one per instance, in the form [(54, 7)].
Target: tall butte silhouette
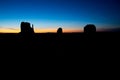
[(26, 29)]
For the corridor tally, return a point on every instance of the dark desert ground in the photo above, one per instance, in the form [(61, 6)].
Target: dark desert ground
[(99, 44)]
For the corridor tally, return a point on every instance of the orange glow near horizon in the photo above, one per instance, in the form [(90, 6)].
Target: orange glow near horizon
[(48, 30), (55, 30), (2, 30), (9, 30)]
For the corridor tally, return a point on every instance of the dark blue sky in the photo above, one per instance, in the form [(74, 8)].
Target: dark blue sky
[(51, 14)]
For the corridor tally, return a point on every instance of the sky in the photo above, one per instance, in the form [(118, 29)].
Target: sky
[(49, 15)]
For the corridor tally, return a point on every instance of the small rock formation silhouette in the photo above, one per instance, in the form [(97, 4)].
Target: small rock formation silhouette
[(26, 29), (59, 34), (90, 28), (59, 31)]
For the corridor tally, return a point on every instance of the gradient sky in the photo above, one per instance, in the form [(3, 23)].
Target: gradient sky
[(48, 15)]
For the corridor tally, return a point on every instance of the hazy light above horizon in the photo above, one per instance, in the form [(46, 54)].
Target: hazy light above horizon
[(48, 15)]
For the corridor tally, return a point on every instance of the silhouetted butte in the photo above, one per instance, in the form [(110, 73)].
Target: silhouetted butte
[(90, 28), (26, 28)]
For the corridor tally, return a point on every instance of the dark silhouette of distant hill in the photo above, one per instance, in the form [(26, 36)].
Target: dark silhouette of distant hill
[(114, 30)]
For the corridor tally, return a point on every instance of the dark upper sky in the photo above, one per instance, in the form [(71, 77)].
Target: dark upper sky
[(69, 14)]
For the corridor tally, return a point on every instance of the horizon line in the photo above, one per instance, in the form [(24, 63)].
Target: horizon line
[(54, 30)]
